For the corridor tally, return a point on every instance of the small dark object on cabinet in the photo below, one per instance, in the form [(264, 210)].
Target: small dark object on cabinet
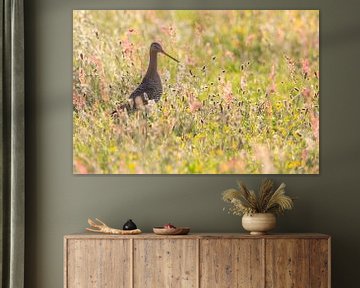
[(129, 225)]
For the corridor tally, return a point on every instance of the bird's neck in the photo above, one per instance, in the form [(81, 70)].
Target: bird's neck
[(152, 64)]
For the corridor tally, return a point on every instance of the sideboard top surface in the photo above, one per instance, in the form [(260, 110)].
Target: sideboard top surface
[(87, 235)]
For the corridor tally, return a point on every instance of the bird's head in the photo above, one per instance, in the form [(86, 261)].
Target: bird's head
[(156, 48)]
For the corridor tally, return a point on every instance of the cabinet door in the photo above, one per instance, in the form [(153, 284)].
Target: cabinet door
[(287, 263), (320, 263), (98, 263), (231, 263), (164, 263)]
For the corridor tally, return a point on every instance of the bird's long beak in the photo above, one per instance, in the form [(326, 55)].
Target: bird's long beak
[(170, 56)]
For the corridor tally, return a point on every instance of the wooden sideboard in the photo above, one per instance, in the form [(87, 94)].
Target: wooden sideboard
[(197, 260)]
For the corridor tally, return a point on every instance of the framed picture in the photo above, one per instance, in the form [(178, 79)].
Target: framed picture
[(195, 92)]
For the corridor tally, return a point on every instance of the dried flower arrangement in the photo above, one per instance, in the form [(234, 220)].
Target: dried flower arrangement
[(267, 200)]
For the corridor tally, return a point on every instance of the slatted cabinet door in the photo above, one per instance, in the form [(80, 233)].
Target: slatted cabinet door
[(287, 263), (165, 263), (297, 263), (320, 263), (231, 263), (98, 263)]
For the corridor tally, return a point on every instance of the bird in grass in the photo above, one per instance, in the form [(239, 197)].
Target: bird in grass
[(150, 87)]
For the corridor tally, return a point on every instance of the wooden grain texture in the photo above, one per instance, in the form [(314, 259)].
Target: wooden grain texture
[(88, 235), (319, 263), (66, 262), (287, 263), (98, 264), (231, 263), (165, 263), (197, 260)]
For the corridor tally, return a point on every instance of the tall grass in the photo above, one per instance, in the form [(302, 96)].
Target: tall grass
[(244, 99)]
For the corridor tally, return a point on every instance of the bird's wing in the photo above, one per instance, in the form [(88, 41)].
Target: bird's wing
[(139, 91), (152, 88)]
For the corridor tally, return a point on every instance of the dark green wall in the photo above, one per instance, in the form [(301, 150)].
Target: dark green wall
[(59, 203)]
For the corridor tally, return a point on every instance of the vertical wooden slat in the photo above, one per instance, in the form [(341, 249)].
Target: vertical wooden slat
[(231, 263), (319, 263), (98, 263), (165, 263), (263, 255), (287, 263), (198, 263), (132, 262), (329, 262), (65, 263)]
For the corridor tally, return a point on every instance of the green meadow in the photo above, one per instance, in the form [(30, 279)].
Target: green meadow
[(244, 98)]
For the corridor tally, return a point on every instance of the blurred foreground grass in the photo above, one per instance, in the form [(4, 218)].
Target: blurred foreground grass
[(244, 99)]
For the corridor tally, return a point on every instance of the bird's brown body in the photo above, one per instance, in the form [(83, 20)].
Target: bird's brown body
[(150, 87)]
